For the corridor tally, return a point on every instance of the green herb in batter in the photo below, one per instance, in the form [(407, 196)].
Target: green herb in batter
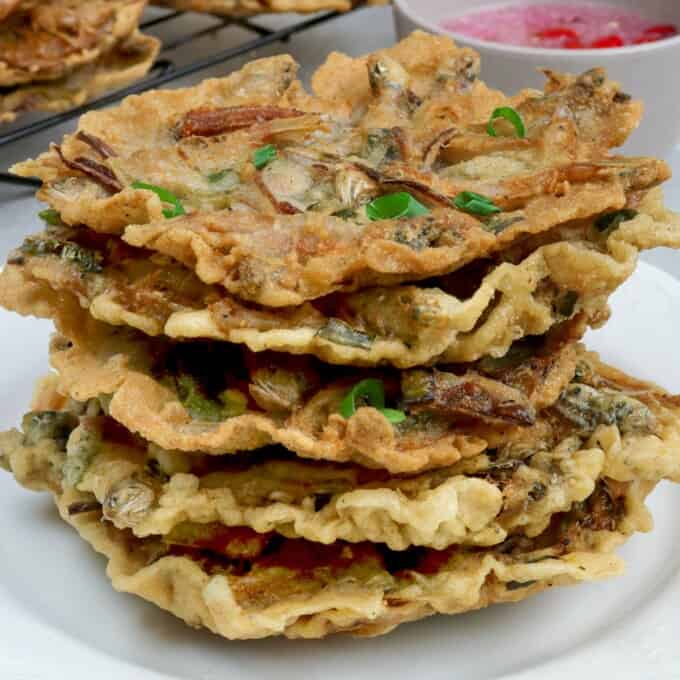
[(372, 392)]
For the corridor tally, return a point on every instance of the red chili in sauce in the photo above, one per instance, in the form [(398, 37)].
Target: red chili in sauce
[(569, 26)]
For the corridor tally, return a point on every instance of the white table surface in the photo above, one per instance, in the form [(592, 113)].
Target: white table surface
[(357, 33)]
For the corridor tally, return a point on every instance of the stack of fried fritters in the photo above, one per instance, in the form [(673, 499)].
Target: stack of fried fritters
[(318, 366), (59, 54)]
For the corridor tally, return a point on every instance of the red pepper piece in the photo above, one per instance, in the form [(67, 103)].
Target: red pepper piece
[(556, 32), (662, 30), (608, 41), (574, 44), (561, 36), (656, 33)]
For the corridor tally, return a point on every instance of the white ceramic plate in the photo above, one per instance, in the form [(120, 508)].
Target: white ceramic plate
[(59, 617)]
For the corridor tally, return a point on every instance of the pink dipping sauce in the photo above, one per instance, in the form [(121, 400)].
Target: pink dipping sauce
[(561, 25)]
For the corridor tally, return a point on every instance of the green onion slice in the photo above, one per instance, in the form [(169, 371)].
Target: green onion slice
[(344, 214), (50, 216), (393, 415), (224, 180), (165, 196), (218, 176), (470, 202), (373, 392), (566, 304), (264, 155), (512, 116), (394, 206), (612, 221)]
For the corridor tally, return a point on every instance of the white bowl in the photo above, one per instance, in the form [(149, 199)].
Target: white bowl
[(650, 72)]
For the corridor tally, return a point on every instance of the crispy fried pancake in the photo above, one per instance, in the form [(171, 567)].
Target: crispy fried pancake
[(260, 587), (47, 40), (334, 156), (318, 502), (533, 287), (404, 325), (243, 584), (251, 7), (514, 489), (289, 260), (171, 395), (127, 62)]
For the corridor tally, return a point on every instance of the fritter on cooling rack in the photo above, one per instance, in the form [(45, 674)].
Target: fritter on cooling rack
[(250, 7), (54, 55), (47, 40), (126, 63)]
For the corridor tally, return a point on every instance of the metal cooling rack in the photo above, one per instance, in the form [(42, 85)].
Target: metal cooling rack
[(165, 70)]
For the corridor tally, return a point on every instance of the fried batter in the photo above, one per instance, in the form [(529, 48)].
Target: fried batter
[(597, 428), (170, 394), (304, 590), (535, 286), (322, 503), (251, 7), (244, 584), (169, 397), (287, 260), (406, 326), (334, 156), (46, 41), (126, 63)]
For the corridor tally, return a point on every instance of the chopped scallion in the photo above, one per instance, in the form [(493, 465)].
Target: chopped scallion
[(470, 202), (344, 214), (214, 177), (512, 116), (393, 415), (50, 216), (612, 221), (371, 391), (166, 196), (263, 156), (394, 206)]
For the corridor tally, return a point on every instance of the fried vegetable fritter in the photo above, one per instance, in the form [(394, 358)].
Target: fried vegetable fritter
[(513, 490), (603, 424), (289, 260), (244, 584), (60, 54), (397, 125), (232, 8), (45, 41), (406, 325), (129, 61), (174, 396), (565, 274)]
